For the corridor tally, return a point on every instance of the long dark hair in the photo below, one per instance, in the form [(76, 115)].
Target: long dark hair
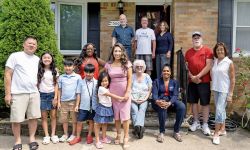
[(124, 57), (83, 54), (102, 75), (41, 69)]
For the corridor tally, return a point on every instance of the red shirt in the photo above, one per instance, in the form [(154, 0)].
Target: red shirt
[(167, 91), (89, 60), (196, 60)]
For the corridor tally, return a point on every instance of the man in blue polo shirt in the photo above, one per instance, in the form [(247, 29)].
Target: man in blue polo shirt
[(123, 34)]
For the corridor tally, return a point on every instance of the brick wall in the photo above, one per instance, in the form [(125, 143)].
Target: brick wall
[(109, 12)]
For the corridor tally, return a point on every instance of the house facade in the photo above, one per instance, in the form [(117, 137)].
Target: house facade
[(80, 21)]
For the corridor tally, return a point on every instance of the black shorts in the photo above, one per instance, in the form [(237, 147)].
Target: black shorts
[(199, 91), (84, 115)]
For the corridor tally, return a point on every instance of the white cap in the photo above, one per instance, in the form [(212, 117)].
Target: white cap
[(196, 33)]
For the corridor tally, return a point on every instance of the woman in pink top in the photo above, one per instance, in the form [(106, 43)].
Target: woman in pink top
[(120, 72)]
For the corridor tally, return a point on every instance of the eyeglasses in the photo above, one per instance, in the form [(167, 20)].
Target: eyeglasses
[(139, 66)]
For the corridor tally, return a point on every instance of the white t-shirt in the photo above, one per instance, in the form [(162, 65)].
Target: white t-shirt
[(144, 38), (25, 68), (220, 75), (104, 100), (47, 83)]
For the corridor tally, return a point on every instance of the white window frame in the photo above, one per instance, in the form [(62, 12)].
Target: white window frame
[(84, 25), (235, 26)]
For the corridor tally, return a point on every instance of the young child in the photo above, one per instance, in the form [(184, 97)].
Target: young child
[(47, 85), (86, 103), (104, 112), (67, 84)]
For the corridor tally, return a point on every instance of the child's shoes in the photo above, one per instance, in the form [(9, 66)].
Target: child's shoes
[(106, 140), (46, 140), (75, 141), (89, 139), (71, 138), (99, 145), (54, 139), (63, 138)]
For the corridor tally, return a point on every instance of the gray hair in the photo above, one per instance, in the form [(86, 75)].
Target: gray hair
[(139, 62)]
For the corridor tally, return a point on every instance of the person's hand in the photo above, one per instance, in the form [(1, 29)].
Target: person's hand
[(168, 55), (7, 100), (59, 106), (54, 102), (196, 79), (160, 103), (76, 108), (153, 56), (167, 105), (126, 96), (229, 99), (139, 101), (122, 99)]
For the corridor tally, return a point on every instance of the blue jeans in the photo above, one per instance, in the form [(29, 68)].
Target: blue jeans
[(162, 115), (220, 100), (161, 60), (128, 51), (138, 113)]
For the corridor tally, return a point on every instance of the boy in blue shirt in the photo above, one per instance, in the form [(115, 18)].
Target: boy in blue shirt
[(86, 103), (67, 84)]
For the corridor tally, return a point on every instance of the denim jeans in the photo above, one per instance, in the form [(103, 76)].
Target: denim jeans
[(161, 60), (129, 52), (162, 115), (138, 113), (220, 100)]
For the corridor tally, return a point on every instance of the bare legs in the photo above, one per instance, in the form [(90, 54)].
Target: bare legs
[(45, 122)]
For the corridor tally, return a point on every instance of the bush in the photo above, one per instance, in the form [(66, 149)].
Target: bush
[(20, 18)]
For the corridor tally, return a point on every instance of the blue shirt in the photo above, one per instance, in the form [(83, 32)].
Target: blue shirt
[(68, 84), (164, 43), (159, 90), (123, 35), (87, 89)]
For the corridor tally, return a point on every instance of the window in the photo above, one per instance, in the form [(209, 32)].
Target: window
[(70, 27), (242, 25)]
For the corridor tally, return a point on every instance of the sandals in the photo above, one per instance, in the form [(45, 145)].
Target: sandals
[(117, 139), (125, 143), (33, 146), (160, 138), (177, 137), (46, 140), (17, 147)]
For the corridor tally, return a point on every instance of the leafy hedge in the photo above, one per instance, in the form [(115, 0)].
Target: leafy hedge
[(20, 18)]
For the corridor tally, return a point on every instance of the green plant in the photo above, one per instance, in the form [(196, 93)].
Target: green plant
[(20, 18), (242, 77)]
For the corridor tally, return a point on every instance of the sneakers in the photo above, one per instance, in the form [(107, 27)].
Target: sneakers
[(63, 138), (71, 138), (99, 145), (205, 129), (195, 126), (54, 139), (106, 140), (46, 140), (89, 139), (216, 140), (221, 133), (75, 141)]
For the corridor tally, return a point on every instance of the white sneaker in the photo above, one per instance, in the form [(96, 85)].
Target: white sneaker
[(54, 139), (46, 140), (216, 140), (71, 138), (205, 129), (195, 126), (63, 138)]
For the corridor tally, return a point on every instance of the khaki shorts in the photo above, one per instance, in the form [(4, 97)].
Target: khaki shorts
[(67, 108), (28, 103)]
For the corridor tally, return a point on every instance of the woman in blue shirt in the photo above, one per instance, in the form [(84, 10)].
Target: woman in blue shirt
[(165, 94), (164, 46)]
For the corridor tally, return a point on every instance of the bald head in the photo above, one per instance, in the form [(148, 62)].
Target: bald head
[(123, 20)]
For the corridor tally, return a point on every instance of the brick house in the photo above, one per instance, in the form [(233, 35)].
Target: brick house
[(80, 21)]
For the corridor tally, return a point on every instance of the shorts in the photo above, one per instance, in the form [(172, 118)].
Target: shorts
[(67, 108), (84, 115), (220, 100), (46, 101), (27, 103), (199, 91), (148, 60)]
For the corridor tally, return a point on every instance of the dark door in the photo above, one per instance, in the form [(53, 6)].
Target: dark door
[(93, 35), (155, 15)]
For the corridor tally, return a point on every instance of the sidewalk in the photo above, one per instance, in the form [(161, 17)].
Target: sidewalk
[(239, 140)]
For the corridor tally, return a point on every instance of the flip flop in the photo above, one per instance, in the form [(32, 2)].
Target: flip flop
[(17, 147), (33, 145)]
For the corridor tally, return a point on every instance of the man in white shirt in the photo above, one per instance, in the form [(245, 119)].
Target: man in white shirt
[(21, 92), (145, 44)]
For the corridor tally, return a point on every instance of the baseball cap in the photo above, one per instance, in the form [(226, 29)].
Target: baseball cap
[(196, 33)]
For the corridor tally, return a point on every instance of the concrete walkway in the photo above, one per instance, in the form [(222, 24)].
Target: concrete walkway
[(239, 140)]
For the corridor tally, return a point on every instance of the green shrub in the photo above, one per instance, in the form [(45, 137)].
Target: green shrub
[(20, 18)]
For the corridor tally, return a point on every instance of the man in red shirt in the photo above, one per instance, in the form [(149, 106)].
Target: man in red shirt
[(199, 61)]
